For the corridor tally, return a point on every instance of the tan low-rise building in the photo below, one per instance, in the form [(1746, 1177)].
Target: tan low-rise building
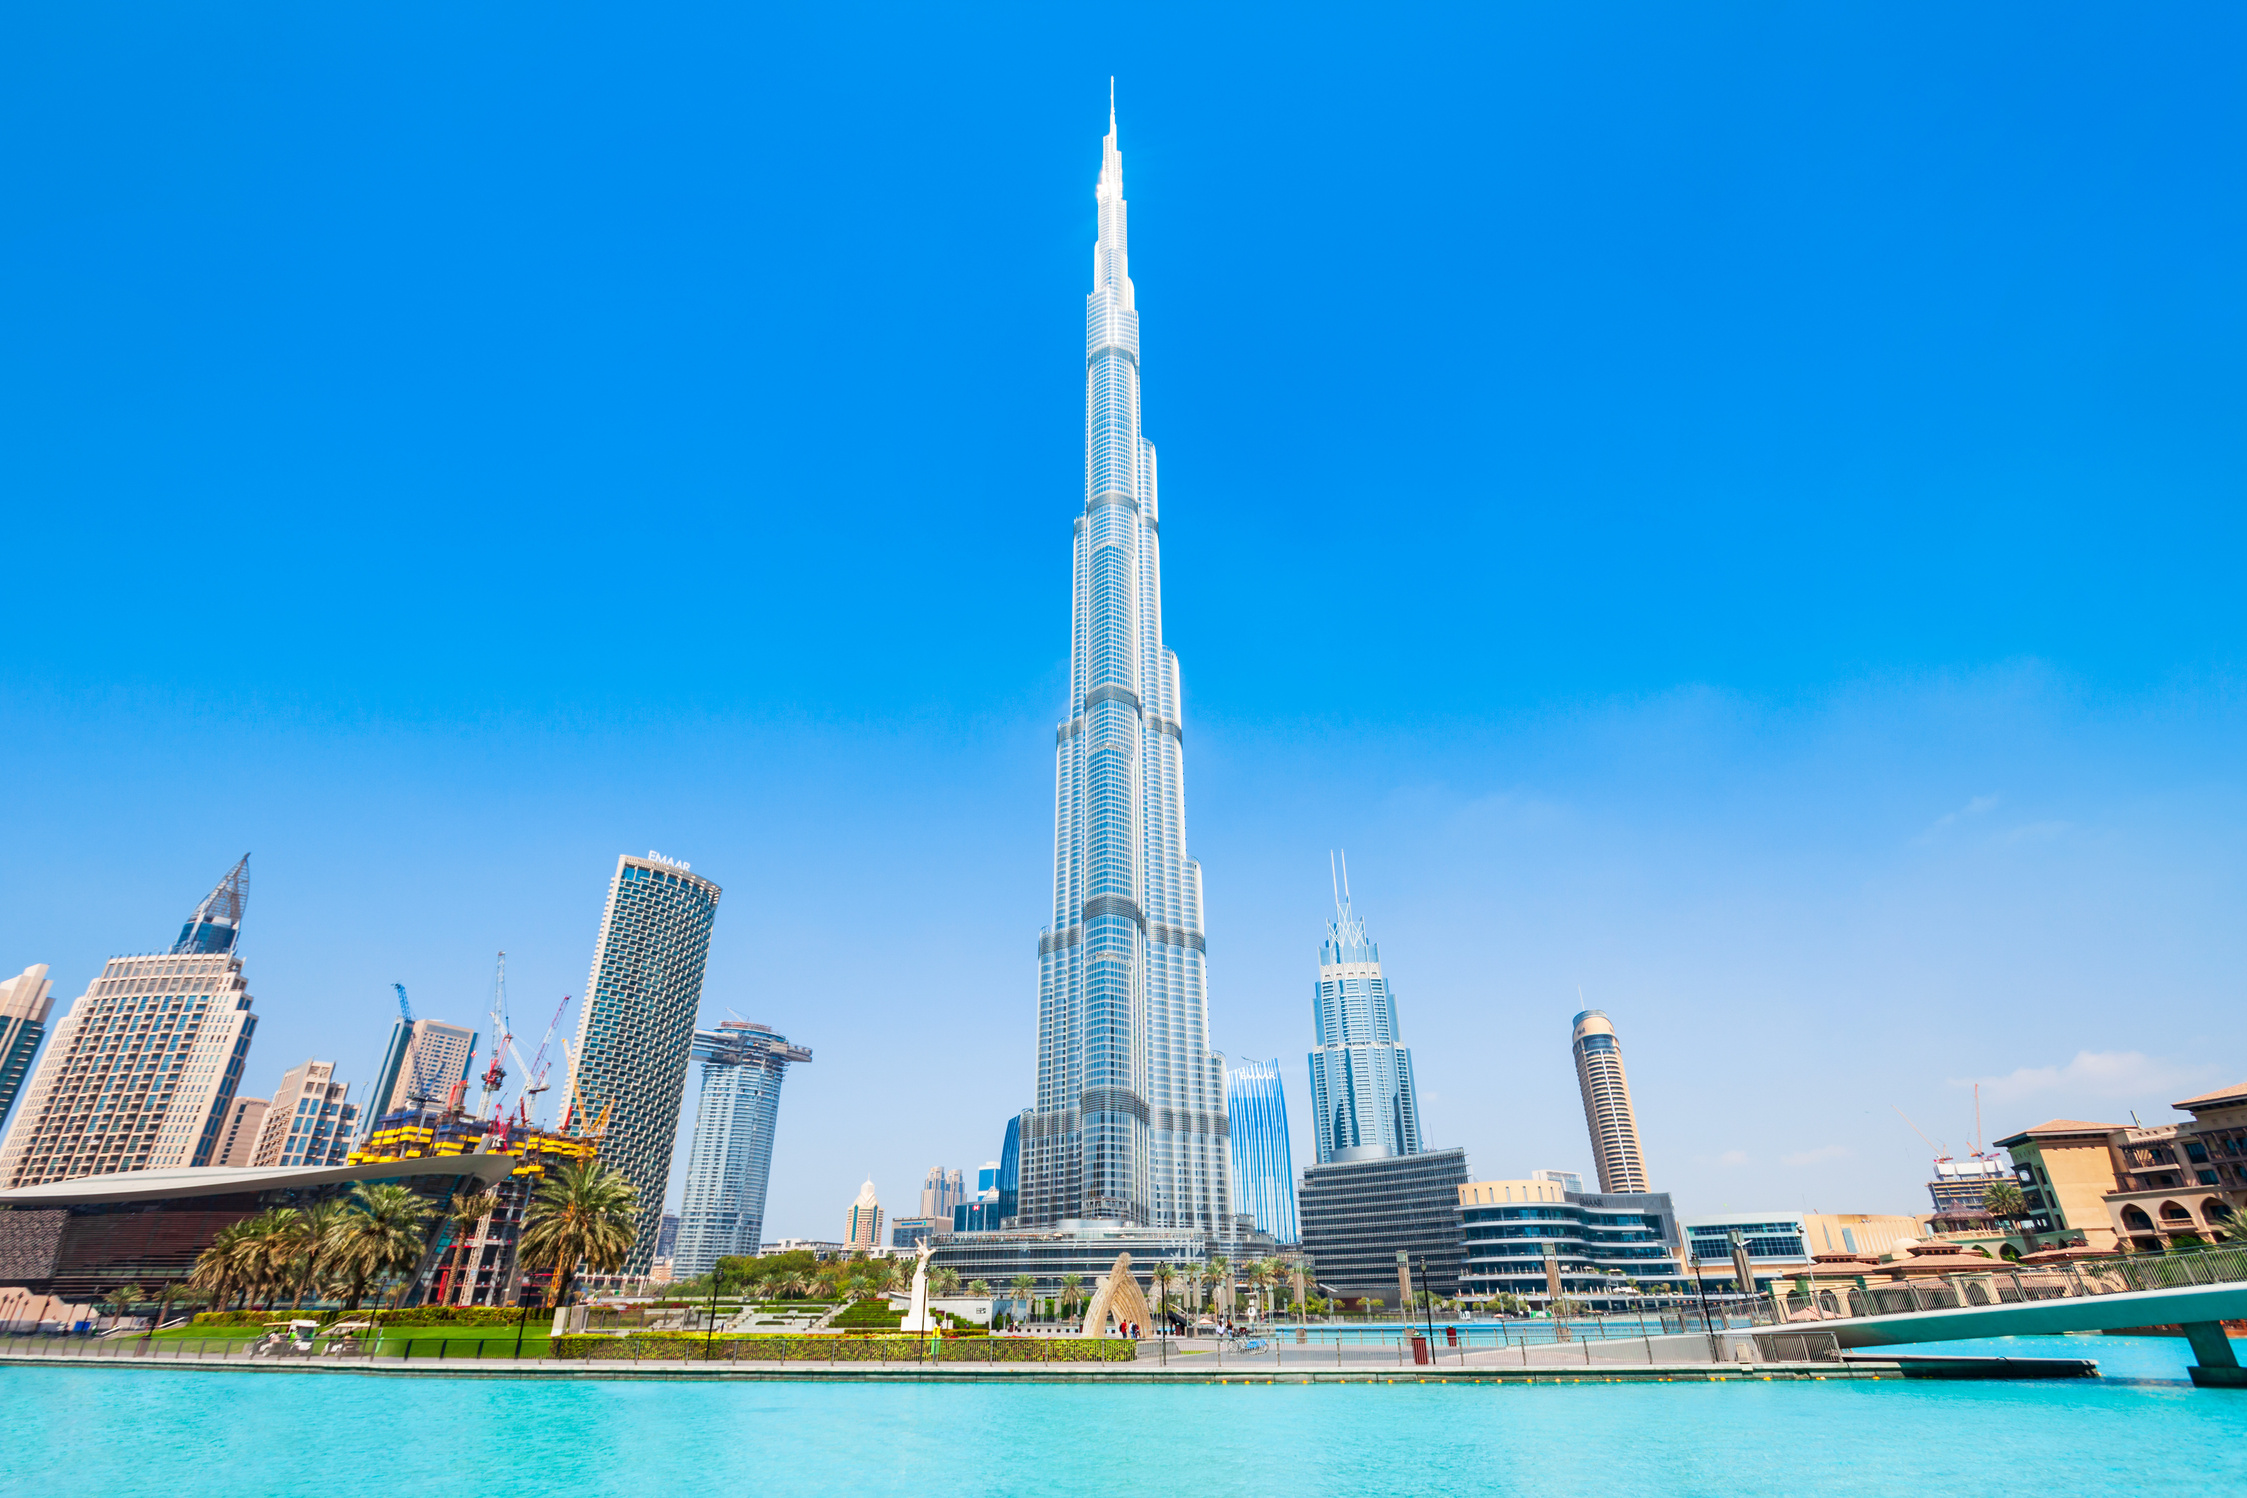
[(2066, 1171), (2184, 1183)]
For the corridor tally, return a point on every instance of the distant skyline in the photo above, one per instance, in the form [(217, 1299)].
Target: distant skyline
[(1735, 515)]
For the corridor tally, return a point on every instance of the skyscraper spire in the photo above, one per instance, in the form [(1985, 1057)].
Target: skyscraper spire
[(217, 923), (1129, 1122), (1362, 1092)]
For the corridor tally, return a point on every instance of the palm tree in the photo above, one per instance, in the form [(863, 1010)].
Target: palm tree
[(584, 1213), (218, 1270), (974, 1287), (378, 1232), (315, 1244), (467, 1210), (2006, 1201), (945, 1280), (1164, 1274), (1072, 1290), (265, 1251), (1022, 1285)]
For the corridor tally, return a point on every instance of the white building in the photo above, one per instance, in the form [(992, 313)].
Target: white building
[(309, 1122), (141, 1073), (863, 1227)]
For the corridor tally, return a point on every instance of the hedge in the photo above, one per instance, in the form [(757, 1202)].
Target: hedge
[(411, 1316), (850, 1349)]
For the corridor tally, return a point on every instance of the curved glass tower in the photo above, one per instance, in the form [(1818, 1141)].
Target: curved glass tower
[(729, 1161), (1361, 1073), (1263, 1165), (1129, 1123)]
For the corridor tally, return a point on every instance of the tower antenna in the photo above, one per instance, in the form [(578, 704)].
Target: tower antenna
[(1977, 1118), (1333, 879), (1345, 873)]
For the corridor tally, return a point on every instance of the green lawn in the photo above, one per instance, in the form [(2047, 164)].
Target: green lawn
[(459, 1341)]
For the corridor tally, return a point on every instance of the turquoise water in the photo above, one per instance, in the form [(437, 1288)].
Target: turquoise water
[(187, 1435)]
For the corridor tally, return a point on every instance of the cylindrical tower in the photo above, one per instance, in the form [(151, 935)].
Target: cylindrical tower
[(1607, 1104)]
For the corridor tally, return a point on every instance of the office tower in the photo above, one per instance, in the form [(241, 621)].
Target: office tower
[(1129, 1119), (1607, 1104), (1358, 1215), (237, 1142), (863, 1227), (1263, 1164), (941, 1191), (1362, 1101), (419, 1066), (140, 1073), (729, 1158), (24, 1002), (635, 1030), (309, 1121)]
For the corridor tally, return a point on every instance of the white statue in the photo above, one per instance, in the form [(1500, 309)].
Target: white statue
[(917, 1318)]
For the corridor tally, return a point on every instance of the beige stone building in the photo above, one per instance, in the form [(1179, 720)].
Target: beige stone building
[(2066, 1171), (2183, 1183)]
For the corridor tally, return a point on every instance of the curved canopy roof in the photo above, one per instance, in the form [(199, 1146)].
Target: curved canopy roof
[(226, 1180)]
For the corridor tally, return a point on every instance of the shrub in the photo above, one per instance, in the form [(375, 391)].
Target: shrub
[(849, 1349)]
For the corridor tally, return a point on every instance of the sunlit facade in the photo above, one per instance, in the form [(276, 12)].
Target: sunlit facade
[(1129, 1121), (1362, 1095), (1607, 1103)]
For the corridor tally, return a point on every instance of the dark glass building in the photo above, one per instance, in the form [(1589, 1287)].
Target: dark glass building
[(1359, 1214)]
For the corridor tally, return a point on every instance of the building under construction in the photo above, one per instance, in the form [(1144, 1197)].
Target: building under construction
[(476, 1264)]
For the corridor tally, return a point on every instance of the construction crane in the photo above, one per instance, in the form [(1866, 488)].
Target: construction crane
[(1939, 1152), (535, 1070), (405, 1010), (496, 1074)]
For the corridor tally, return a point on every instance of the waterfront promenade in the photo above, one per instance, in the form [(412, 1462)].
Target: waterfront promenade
[(1616, 1360)]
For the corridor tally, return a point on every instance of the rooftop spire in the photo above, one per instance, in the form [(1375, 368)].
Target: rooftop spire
[(217, 922)]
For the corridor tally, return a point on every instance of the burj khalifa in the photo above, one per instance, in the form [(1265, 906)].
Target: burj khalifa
[(1129, 1124)]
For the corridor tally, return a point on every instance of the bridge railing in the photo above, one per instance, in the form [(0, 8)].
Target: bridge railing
[(2007, 1284)]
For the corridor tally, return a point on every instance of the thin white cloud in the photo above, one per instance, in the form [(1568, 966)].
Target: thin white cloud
[(1812, 1157), (2103, 1075), (1733, 1157), (1974, 808)]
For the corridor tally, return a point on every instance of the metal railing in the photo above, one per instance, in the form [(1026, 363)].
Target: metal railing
[(2007, 1284)]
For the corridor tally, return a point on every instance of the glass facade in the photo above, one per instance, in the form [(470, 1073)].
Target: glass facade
[(1359, 1214), (635, 1030), (1263, 1165), (1129, 1120), (1603, 1242), (1362, 1099), (729, 1160)]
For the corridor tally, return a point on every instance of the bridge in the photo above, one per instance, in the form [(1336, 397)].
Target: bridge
[(2197, 1291)]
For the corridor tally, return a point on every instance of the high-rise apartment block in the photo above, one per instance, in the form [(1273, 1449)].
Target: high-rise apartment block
[(941, 1191), (729, 1158), (310, 1120), (1263, 1162), (141, 1073), (1129, 1119), (237, 1142), (1607, 1104), (862, 1227), (419, 1065), (635, 1029), (24, 1002), (1362, 1099)]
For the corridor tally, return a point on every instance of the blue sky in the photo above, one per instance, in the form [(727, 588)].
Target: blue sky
[(1736, 513)]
